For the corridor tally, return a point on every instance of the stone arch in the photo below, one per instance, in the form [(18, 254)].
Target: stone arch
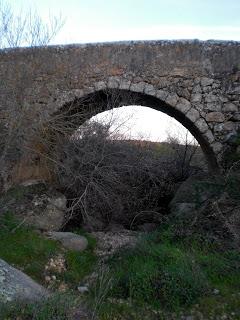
[(147, 95)]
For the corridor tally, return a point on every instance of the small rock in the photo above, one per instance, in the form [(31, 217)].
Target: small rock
[(83, 289), (70, 240), (216, 291)]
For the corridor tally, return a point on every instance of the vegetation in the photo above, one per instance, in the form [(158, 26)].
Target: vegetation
[(58, 307), (172, 273), (29, 251), (169, 278), (114, 180), (160, 278)]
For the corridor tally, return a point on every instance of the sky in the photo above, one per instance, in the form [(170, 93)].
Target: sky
[(118, 20), (113, 20), (143, 123)]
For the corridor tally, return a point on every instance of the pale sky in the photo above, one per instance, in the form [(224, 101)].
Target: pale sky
[(115, 20), (143, 123)]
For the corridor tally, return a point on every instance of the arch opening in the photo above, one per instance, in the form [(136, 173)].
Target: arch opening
[(78, 110)]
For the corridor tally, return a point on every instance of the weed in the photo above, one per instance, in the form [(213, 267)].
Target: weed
[(162, 274), (58, 307)]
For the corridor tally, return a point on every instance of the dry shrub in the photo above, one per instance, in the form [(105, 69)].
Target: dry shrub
[(115, 180)]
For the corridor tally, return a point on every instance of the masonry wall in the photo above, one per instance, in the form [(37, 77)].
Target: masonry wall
[(201, 80)]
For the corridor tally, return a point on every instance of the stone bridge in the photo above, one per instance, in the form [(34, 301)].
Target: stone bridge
[(197, 83)]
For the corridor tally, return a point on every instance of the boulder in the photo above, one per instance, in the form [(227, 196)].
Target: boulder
[(37, 205), (69, 240), (51, 218), (15, 285)]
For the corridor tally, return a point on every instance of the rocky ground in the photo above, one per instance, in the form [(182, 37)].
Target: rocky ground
[(36, 205)]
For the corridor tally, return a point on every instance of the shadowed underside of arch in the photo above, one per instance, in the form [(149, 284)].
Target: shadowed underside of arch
[(79, 110)]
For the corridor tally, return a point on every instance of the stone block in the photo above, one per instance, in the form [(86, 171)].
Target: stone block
[(150, 90), (201, 124), (210, 97), (113, 83), (172, 99), (193, 115), (162, 95), (138, 87), (229, 126), (209, 135), (215, 117), (197, 97), (124, 84), (183, 105), (213, 106), (206, 81), (197, 89), (230, 107), (217, 147), (101, 85)]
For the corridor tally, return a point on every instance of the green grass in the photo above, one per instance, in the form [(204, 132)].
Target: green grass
[(160, 278), (169, 276), (58, 307), (24, 248), (80, 265), (29, 251)]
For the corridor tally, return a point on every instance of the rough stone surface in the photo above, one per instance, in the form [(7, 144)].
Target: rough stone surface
[(111, 241), (52, 217), (230, 107), (215, 117), (183, 105), (202, 125), (70, 240), (170, 76), (39, 206), (15, 285), (193, 115)]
